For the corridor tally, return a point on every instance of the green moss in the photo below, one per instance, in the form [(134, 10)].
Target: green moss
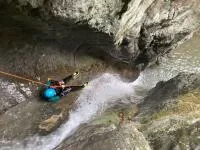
[(109, 118), (113, 117)]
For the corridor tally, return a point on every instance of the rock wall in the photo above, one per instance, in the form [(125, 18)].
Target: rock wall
[(170, 116), (48, 45), (143, 30), (166, 92)]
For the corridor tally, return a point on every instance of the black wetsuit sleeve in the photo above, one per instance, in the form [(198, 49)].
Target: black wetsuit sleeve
[(54, 82)]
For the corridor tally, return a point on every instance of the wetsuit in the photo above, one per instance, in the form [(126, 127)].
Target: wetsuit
[(60, 91)]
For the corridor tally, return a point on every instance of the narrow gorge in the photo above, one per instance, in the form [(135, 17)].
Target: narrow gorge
[(142, 62)]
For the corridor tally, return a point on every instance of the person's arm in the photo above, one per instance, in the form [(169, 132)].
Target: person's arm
[(52, 83)]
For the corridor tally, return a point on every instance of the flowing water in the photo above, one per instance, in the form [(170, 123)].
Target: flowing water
[(108, 90)]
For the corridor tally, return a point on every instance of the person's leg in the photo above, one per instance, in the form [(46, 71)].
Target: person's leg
[(65, 80), (73, 88), (69, 89), (76, 88)]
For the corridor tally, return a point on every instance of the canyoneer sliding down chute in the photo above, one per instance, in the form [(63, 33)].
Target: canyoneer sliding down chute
[(53, 90)]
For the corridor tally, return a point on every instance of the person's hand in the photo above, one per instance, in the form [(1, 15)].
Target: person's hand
[(63, 86), (61, 82)]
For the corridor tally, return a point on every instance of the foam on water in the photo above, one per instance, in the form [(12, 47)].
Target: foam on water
[(102, 93)]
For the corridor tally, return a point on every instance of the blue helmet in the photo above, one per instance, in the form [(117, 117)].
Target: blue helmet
[(49, 92)]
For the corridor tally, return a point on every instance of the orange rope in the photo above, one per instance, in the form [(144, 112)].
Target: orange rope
[(37, 82)]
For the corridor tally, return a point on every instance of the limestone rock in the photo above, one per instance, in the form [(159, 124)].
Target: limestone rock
[(101, 137), (143, 30), (174, 133), (170, 114), (166, 92)]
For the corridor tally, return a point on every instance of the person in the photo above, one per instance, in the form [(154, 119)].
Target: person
[(57, 89)]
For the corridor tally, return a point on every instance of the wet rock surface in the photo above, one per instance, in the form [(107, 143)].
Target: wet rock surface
[(172, 125), (103, 137), (41, 39), (37, 49), (165, 93), (112, 130), (169, 115)]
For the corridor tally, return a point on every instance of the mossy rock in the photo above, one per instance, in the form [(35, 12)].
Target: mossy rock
[(176, 125), (117, 116), (187, 105)]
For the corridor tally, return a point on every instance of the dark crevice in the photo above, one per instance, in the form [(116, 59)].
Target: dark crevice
[(124, 8)]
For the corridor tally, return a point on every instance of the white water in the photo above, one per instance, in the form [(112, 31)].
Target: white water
[(102, 93)]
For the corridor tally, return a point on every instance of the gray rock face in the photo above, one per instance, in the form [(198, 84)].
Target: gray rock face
[(32, 46), (101, 137), (155, 27), (174, 133), (12, 94), (170, 113), (166, 92), (143, 30)]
